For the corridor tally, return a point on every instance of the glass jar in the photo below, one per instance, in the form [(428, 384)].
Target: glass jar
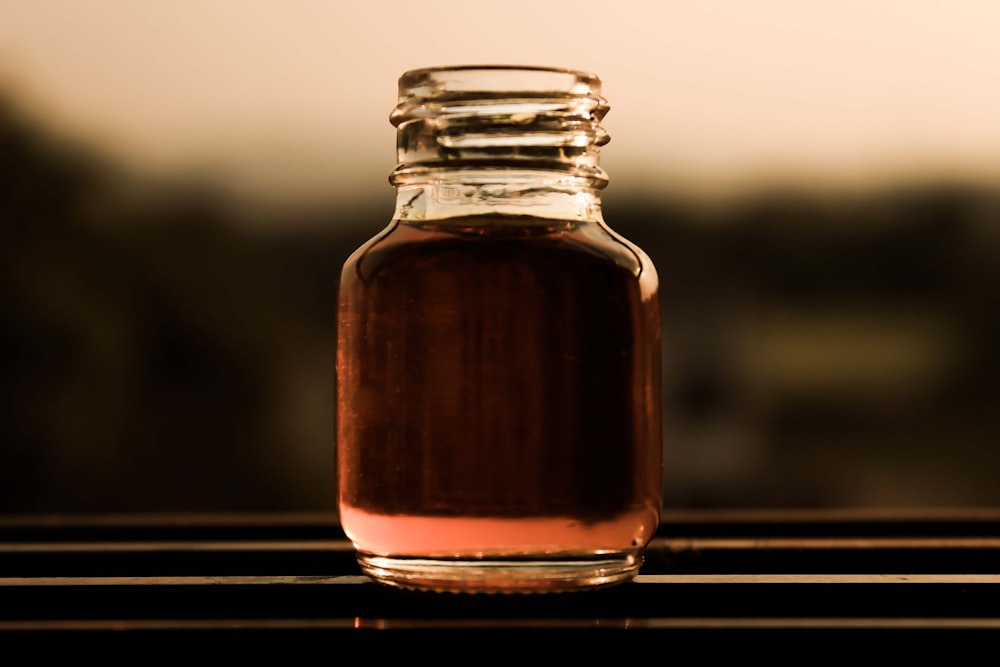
[(498, 351)]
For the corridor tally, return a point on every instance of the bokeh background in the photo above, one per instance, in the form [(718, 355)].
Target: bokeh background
[(817, 182)]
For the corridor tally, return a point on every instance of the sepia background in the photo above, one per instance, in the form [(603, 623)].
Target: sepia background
[(818, 184)]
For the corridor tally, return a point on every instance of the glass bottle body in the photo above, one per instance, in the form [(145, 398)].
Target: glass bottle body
[(498, 414)]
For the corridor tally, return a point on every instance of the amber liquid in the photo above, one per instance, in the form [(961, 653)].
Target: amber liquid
[(498, 391)]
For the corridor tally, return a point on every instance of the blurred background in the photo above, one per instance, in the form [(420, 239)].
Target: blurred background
[(818, 184)]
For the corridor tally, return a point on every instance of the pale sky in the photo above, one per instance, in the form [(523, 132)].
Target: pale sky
[(292, 97)]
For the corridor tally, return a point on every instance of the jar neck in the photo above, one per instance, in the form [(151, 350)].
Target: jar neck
[(500, 140), (464, 194)]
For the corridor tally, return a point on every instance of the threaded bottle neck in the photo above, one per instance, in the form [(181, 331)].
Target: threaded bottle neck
[(482, 125)]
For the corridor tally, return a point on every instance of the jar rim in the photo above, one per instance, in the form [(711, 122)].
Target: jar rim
[(500, 66)]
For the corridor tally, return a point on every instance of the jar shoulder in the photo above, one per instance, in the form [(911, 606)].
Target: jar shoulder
[(489, 244)]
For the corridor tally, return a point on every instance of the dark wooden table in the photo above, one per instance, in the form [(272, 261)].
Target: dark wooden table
[(838, 582)]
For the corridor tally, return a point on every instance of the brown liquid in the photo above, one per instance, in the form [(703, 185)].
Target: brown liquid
[(498, 390)]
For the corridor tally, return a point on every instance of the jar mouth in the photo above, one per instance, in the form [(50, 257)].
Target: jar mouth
[(522, 80)]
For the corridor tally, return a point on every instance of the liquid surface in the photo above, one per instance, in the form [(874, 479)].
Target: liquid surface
[(498, 391)]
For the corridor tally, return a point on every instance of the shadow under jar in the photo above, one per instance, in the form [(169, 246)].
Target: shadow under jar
[(498, 351)]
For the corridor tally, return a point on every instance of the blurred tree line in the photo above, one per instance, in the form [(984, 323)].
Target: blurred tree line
[(161, 351)]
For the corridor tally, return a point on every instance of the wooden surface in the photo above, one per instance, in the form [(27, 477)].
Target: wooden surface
[(712, 581)]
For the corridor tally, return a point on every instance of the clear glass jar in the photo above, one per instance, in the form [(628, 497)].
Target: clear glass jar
[(498, 359)]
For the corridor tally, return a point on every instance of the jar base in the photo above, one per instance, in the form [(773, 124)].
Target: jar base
[(502, 575)]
